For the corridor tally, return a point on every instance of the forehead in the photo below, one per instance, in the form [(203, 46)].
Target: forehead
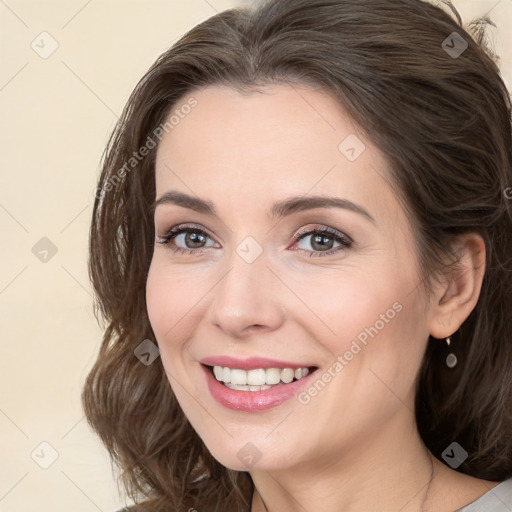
[(277, 119), (281, 140)]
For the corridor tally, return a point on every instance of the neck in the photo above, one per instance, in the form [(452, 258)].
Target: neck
[(393, 472)]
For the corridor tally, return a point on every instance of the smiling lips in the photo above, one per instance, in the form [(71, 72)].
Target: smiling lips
[(255, 384), (258, 379)]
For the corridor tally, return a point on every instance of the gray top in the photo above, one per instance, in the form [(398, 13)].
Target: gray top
[(498, 499)]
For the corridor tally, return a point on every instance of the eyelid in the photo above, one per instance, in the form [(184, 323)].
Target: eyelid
[(322, 229), (180, 228), (345, 242)]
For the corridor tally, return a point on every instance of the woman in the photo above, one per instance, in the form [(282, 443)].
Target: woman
[(301, 245)]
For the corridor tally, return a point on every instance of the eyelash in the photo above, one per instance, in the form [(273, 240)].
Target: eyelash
[(344, 241)]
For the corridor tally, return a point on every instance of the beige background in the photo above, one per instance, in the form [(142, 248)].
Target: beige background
[(56, 114)]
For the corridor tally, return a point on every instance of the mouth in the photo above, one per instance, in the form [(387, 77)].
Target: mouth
[(262, 386), (258, 379)]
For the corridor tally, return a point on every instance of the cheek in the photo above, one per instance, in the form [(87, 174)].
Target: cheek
[(389, 341), (370, 320), (160, 301), (172, 300), (349, 304), (173, 307)]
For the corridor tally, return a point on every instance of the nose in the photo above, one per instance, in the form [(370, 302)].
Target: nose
[(247, 300)]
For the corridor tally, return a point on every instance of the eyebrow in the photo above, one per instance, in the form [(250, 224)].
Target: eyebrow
[(279, 210)]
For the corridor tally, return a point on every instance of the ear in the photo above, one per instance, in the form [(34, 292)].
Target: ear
[(457, 292)]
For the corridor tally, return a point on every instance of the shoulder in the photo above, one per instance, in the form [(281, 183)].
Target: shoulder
[(498, 499)]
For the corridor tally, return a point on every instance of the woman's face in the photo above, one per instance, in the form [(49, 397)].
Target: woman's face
[(297, 255)]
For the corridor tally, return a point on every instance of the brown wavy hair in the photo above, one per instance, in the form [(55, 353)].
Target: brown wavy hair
[(444, 123)]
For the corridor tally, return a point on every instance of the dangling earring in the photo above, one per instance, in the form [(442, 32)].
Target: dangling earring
[(451, 358)]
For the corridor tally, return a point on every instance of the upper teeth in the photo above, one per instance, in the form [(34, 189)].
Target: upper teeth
[(258, 377)]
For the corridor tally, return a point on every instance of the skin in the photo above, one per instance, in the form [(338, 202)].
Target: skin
[(355, 445)]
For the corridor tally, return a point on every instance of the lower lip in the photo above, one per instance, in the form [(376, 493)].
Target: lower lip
[(252, 401)]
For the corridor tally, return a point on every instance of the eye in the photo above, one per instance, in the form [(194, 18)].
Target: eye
[(323, 241), (190, 239), (186, 239)]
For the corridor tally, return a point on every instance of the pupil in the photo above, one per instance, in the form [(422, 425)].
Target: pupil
[(322, 242), (194, 240)]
